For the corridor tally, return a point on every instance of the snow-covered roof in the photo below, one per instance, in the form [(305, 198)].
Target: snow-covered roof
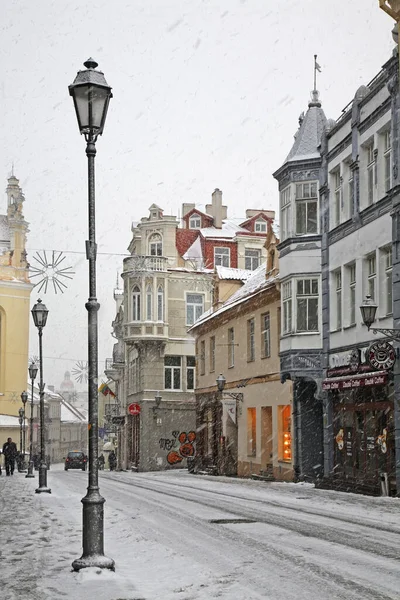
[(256, 283), (228, 231), (194, 251), (9, 421), (231, 273), (308, 136)]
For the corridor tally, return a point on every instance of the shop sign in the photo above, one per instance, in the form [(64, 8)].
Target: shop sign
[(381, 356), (351, 359), (354, 382)]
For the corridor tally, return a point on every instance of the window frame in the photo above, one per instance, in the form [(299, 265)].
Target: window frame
[(136, 303), (155, 244), (149, 302), (266, 335), (251, 341), (190, 369), (194, 306), (306, 299), (173, 369), (219, 257), (160, 303), (255, 255), (212, 354), (287, 307), (197, 219), (286, 212), (231, 347), (260, 226)]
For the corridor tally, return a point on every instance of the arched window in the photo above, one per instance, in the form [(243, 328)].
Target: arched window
[(155, 245), (136, 303), (149, 302), (160, 303)]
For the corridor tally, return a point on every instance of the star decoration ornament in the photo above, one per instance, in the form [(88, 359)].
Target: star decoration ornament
[(80, 371), (50, 271)]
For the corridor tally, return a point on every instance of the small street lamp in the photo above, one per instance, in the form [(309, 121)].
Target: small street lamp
[(33, 369), (91, 95), (368, 311), (21, 421), (39, 314), (24, 398), (221, 382), (156, 408)]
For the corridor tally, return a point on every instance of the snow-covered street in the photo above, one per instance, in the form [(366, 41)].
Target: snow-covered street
[(184, 537)]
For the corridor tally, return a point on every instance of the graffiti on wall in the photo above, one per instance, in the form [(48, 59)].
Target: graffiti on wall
[(179, 446)]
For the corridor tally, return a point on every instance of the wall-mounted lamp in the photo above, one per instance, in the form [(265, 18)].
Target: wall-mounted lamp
[(221, 381), (156, 408)]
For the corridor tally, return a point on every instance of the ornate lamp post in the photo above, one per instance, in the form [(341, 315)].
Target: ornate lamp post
[(91, 95), (24, 398), (39, 314), (33, 369), (21, 421)]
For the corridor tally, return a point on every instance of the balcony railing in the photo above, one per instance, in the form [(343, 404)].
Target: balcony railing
[(145, 330), (140, 264)]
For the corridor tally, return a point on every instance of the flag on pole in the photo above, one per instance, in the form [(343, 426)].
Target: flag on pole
[(317, 66), (105, 390)]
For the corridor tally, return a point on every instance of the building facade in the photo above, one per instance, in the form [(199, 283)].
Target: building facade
[(15, 290), (245, 428), (168, 284)]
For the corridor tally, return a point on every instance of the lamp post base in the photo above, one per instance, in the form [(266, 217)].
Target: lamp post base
[(43, 480), (92, 533), (102, 562), (30, 470), (40, 490)]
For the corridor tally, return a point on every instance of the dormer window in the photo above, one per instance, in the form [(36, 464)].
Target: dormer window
[(195, 222), (260, 226), (155, 245)]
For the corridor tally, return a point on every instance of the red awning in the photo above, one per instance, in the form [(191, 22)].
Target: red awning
[(355, 381)]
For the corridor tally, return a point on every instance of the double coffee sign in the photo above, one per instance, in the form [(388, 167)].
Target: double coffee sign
[(381, 356)]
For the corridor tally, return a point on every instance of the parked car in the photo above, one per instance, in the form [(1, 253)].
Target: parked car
[(75, 460)]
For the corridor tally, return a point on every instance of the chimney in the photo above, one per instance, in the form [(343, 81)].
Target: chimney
[(217, 207)]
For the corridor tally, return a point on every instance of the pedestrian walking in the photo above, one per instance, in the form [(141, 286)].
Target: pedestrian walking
[(101, 462), (112, 460), (10, 454)]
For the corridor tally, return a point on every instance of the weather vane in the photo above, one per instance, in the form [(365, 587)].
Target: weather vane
[(50, 271)]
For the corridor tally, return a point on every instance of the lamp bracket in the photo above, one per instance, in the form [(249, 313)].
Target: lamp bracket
[(234, 395), (393, 334)]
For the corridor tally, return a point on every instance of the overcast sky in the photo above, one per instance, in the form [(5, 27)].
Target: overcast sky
[(207, 94)]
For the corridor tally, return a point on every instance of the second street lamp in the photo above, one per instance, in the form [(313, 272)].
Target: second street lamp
[(91, 95), (24, 398), (39, 314), (33, 369)]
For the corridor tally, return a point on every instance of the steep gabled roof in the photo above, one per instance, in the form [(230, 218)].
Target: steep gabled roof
[(308, 137)]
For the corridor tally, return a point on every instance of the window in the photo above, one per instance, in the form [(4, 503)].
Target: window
[(351, 193), (371, 271), (251, 432), (190, 372), (222, 256), (388, 280), (387, 160), (160, 303), (149, 302), (352, 293), (195, 222), (251, 259), (286, 214), (287, 307), (307, 304), (136, 303), (265, 335), (231, 347), (194, 307), (338, 197), (250, 341), (306, 208), (172, 372), (370, 174), (260, 226), (212, 354), (338, 287), (155, 245), (285, 436), (202, 357)]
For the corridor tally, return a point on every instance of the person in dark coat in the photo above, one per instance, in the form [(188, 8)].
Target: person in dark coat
[(101, 462), (112, 460), (10, 452)]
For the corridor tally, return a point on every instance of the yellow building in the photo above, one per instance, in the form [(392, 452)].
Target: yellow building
[(15, 290)]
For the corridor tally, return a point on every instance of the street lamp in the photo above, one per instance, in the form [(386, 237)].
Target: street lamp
[(39, 314), (368, 311), (21, 420), (33, 369), (91, 95), (24, 398), (157, 400)]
